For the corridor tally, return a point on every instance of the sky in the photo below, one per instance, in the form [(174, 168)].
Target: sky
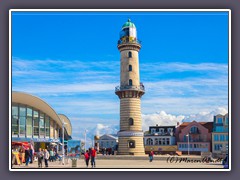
[(71, 61)]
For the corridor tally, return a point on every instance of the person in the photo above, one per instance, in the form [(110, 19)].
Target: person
[(40, 157), (52, 157), (46, 157), (93, 157), (57, 156), (27, 156), (30, 155), (86, 156), (151, 156)]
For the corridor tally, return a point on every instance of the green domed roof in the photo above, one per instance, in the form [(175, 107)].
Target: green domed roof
[(128, 24)]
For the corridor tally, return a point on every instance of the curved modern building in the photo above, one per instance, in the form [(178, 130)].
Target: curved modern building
[(33, 120)]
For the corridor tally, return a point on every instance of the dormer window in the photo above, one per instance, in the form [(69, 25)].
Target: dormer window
[(153, 130)]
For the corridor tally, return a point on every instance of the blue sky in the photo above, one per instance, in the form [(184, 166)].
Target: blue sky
[(71, 60)]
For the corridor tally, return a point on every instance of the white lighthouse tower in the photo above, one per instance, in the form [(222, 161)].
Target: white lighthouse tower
[(130, 91)]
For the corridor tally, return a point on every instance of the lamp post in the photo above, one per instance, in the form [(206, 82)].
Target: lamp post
[(63, 150), (188, 143), (85, 139)]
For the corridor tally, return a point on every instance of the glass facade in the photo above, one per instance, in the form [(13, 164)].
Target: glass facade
[(31, 123), (15, 130)]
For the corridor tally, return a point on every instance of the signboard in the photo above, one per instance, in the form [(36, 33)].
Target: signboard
[(74, 149)]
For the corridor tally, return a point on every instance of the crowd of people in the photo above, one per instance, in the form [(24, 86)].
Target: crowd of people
[(27, 155)]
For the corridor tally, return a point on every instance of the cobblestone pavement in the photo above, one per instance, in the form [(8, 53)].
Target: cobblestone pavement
[(130, 163)]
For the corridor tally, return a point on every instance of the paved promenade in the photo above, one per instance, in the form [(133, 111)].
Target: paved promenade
[(135, 162)]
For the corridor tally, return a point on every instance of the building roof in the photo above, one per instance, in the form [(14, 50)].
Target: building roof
[(128, 24), (68, 125), (208, 125), (109, 136), (39, 104)]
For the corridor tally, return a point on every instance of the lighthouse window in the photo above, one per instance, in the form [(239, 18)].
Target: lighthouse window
[(129, 54), (131, 144), (130, 67), (130, 82), (130, 121)]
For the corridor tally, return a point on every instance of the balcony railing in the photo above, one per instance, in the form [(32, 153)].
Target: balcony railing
[(122, 88), (135, 41)]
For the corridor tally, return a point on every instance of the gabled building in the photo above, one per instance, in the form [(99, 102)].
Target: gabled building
[(107, 141), (195, 134), (160, 139), (220, 135)]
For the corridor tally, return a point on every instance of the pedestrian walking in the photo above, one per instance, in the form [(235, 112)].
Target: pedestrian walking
[(27, 156), (52, 157), (46, 157), (86, 156), (93, 157), (151, 156), (40, 157)]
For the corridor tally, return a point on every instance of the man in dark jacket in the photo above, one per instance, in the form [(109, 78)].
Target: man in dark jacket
[(27, 156)]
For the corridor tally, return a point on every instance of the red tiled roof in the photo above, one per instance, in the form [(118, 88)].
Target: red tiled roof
[(208, 125)]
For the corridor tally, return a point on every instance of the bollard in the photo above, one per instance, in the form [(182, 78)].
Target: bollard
[(74, 162)]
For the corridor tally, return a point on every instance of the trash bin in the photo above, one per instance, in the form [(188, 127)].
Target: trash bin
[(74, 162)]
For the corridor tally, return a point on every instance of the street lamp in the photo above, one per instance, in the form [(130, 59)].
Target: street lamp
[(63, 151), (85, 139), (188, 143)]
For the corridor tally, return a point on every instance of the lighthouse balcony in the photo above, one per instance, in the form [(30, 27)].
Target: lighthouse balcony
[(126, 88), (129, 41)]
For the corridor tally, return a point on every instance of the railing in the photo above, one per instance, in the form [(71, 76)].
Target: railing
[(129, 41), (121, 88)]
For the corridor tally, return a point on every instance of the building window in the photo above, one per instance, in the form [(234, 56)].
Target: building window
[(35, 123), (129, 54), (153, 130), (168, 141), (161, 130), (216, 137), (131, 144), (185, 138), (156, 141), (226, 121), (220, 120), (149, 141), (219, 129), (222, 137), (29, 122), (47, 127), (130, 82), (14, 120), (41, 125), (130, 120), (194, 130), (226, 137), (217, 147), (170, 130), (22, 117), (130, 68), (163, 141)]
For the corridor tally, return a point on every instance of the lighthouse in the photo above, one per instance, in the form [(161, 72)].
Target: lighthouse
[(130, 91)]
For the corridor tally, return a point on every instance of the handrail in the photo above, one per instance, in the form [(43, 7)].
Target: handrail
[(120, 88)]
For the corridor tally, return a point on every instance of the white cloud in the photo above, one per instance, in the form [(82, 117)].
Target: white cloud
[(205, 116), (162, 118)]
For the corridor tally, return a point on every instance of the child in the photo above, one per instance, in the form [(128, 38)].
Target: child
[(86, 155)]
